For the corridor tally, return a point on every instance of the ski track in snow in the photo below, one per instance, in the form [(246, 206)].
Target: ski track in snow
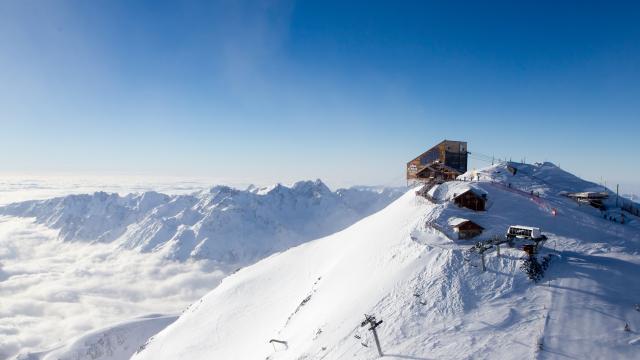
[(592, 298)]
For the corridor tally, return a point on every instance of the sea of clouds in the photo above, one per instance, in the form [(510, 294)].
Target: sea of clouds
[(52, 291), (15, 188)]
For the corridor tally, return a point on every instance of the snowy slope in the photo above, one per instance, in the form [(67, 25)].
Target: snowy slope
[(114, 256), (223, 224), (237, 319), (434, 303), (115, 342)]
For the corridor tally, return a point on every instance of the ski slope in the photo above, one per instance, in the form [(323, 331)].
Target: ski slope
[(434, 300)]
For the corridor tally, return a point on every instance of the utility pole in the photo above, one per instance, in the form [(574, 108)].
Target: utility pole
[(371, 320), (484, 268), (617, 191), (482, 247)]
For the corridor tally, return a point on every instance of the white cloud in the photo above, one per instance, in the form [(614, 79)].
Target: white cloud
[(51, 291), (20, 187)]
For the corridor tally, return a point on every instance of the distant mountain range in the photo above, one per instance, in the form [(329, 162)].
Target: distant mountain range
[(223, 224)]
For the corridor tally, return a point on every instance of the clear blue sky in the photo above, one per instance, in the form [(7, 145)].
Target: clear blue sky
[(267, 90)]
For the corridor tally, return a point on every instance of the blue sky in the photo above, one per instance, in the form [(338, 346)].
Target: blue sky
[(348, 92)]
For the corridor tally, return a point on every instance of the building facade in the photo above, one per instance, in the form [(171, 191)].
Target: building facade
[(442, 162)]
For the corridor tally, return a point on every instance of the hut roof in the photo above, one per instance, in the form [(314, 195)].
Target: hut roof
[(476, 191), (456, 222), (589, 195)]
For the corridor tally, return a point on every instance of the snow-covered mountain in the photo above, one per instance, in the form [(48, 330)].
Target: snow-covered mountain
[(113, 342), (435, 301), (223, 224)]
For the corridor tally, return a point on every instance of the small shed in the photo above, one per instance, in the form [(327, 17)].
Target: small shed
[(465, 229), (472, 198)]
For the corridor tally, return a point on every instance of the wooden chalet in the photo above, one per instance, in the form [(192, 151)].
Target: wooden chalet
[(473, 199), (465, 229), (443, 162)]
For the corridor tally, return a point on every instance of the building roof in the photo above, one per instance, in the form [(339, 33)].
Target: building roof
[(444, 167), (476, 191), (525, 227), (589, 195), (456, 222)]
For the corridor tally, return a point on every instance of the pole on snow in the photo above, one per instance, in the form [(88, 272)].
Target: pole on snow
[(371, 320)]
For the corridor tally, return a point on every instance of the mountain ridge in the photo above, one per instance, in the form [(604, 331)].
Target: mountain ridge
[(430, 291), (222, 223)]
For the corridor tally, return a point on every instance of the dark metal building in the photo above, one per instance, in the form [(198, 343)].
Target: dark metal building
[(442, 162)]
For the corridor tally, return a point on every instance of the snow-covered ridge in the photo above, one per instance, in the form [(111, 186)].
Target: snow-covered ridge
[(224, 224), (113, 342), (435, 301)]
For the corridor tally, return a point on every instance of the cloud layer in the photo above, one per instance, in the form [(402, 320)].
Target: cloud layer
[(51, 291)]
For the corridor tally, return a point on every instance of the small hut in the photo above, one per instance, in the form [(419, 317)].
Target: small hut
[(465, 229), (472, 198)]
